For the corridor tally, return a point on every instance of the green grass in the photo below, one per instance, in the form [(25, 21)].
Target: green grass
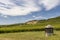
[(6, 31), (29, 36), (27, 28), (55, 22)]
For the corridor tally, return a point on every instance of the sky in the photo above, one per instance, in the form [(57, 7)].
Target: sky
[(21, 11)]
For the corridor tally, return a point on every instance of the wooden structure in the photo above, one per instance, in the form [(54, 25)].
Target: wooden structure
[(49, 30)]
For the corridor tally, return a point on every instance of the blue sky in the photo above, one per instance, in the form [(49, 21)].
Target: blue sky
[(20, 11)]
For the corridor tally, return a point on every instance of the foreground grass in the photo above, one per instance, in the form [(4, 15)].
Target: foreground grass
[(29, 36)]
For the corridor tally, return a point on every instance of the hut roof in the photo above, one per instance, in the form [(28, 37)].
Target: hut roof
[(49, 26)]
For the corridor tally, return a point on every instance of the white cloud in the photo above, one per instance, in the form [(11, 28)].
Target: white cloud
[(13, 9), (16, 10), (49, 4), (5, 16), (39, 17), (34, 16), (6, 2)]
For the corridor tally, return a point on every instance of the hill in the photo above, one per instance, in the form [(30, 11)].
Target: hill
[(52, 21), (34, 25)]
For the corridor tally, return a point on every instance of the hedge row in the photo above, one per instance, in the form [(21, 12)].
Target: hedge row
[(24, 30)]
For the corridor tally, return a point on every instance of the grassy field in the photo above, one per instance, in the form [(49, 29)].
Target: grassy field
[(40, 25), (29, 36), (30, 31), (23, 28)]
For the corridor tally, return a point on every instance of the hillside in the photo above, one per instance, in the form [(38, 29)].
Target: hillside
[(53, 21), (34, 25), (57, 19)]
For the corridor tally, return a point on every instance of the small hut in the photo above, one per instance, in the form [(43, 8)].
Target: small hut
[(49, 30)]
